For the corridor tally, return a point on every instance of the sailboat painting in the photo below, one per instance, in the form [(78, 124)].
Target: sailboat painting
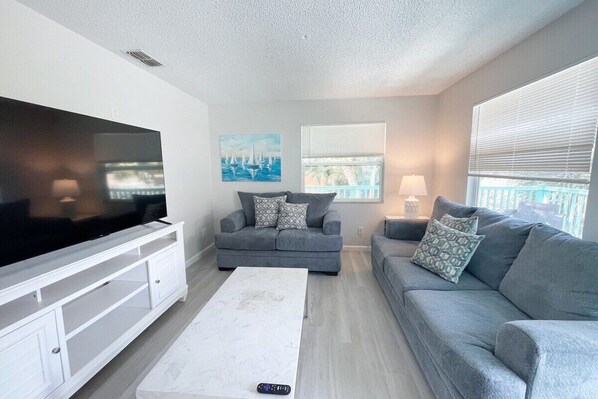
[(250, 157)]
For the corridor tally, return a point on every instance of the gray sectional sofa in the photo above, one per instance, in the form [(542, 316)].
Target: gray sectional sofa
[(522, 322), (317, 248)]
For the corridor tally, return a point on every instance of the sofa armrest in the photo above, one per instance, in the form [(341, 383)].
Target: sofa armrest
[(233, 222), (556, 358), (406, 229), (332, 223)]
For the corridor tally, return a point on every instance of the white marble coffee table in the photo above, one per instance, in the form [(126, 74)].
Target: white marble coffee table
[(249, 332)]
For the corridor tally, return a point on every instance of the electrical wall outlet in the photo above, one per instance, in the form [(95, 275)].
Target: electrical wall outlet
[(360, 230)]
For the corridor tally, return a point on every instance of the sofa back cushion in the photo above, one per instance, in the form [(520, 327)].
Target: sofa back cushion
[(443, 206), (317, 208), (505, 236), (555, 277), (249, 207)]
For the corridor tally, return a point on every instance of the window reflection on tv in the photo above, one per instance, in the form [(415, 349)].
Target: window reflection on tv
[(123, 179)]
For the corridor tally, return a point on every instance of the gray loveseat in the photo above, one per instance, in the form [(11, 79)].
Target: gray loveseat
[(317, 248), (520, 323)]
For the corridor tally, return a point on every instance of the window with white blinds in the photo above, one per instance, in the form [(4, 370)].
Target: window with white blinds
[(346, 159), (532, 149), (544, 130), (359, 139)]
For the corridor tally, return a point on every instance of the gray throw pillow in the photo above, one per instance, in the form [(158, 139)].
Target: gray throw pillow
[(266, 211), (248, 204), (445, 251), (292, 216), (464, 225)]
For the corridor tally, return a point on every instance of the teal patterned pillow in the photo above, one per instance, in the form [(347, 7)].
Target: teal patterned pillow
[(266, 210), (445, 251), (292, 216), (464, 225)]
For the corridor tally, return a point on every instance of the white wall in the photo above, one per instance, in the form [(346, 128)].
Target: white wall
[(44, 63), (410, 123), (568, 40)]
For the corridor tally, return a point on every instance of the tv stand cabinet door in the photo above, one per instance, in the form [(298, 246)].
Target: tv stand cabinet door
[(30, 365), (165, 276)]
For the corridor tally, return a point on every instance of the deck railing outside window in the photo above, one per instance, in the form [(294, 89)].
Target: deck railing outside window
[(561, 207), (361, 192), (126, 194)]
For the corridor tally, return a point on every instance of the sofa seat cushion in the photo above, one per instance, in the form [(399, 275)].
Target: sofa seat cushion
[(405, 276), (248, 238), (458, 329), (311, 239), (383, 247)]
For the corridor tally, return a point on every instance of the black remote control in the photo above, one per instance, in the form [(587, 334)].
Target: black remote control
[(274, 389)]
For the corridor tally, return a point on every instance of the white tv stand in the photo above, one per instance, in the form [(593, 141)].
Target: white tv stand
[(65, 315)]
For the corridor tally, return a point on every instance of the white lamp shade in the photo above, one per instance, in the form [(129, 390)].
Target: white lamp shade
[(413, 185), (65, 188)]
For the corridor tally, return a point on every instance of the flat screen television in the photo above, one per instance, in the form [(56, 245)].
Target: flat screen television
[(66, 178)]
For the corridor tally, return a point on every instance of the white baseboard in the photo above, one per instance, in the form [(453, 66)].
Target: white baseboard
[(354, 248), (204, 252)]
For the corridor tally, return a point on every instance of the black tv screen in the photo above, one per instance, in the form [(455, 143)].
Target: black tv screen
[(66, 178)]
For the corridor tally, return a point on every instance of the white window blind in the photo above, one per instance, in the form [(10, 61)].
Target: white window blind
[(364, 139), (546, 129)]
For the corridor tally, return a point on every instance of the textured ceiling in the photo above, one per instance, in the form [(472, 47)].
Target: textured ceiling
[(230, 51)]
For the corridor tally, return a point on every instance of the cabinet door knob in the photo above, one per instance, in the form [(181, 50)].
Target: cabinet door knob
[(157, 281), (56, 350)]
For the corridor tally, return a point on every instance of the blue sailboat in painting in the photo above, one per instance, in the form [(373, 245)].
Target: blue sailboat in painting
[(251, 158)]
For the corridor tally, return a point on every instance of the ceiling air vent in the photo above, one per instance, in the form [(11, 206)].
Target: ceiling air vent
[(146, 59)]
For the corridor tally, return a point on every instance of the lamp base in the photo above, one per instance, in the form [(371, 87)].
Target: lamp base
[(411, 208), (68, 209)]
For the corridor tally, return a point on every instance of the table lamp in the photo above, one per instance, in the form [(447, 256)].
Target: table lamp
[(66, 189), (412, 185)]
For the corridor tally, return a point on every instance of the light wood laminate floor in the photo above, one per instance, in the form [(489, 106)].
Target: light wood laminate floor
[(351, 347)]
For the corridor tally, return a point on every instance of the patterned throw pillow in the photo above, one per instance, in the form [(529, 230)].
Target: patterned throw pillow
[(292, 216), (445, 251), (464, 225), (266, 210)]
